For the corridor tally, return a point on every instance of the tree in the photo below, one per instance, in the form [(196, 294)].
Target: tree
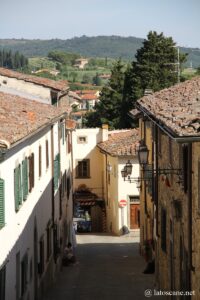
[(109, 107), (96, 80), (156, 65)]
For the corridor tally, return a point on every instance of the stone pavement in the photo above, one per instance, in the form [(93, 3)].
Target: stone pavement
[(109, 267)]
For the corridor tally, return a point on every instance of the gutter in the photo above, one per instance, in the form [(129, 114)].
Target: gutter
[(170, 133)]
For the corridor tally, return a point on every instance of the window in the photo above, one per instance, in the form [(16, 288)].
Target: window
[(83, 169), (2, 203), (69, 143), (63, 132), (183, 165), (40, 161), (134, 199), (41, 256), (47, 154), (25, 178), (68, 187), (48, 240), (170, 152), (56, 171), (31, 171), (2, 283), (17, 187), (82, 139), (54, 98), (24, 274), (163, 229)]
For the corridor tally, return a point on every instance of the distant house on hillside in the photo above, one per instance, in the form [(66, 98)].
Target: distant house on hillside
[(52, 72), (80, 63)]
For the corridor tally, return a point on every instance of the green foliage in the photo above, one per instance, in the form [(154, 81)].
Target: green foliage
[(198, 71), (109, 106), (63, 57), (97, 80), (155, 69), (100, 46), (13, 60)]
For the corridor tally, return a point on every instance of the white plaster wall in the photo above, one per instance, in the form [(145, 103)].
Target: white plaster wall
[(34, 90), (89, 151), (18, 232)]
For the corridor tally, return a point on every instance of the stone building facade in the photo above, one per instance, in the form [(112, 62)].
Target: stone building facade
[(170, 124)]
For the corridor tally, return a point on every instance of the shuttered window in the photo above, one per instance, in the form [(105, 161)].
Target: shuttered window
[(47, 154), (83, 169), (31, 171), (40, 161), (17, 187), (24, 274), (2, 203), (63, 133), (56, 170), (25, 178), (2, 283)]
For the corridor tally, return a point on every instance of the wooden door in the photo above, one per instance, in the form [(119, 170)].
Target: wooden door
[(134, 216)]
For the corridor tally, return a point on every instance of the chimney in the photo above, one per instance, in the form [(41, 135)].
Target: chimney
[(104, 132)]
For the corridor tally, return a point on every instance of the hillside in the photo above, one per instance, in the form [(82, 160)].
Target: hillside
[(100, 46)]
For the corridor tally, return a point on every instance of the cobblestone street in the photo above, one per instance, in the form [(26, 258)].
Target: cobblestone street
[(108, 267)]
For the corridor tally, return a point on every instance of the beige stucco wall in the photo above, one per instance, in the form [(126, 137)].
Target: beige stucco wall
[(89, 151), (26, 89)]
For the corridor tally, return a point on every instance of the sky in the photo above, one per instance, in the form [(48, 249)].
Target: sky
[(48, 19)]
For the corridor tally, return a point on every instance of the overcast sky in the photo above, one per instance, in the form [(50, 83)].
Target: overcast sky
[(47, 19)]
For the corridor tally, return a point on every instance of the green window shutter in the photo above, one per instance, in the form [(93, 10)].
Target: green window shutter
[(63, 133), (16, 188), (55, 173), (20, 185), (58, 159), (2, 203), (25, 178)]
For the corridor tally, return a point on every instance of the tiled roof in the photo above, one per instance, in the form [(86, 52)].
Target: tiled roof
[(177, 107), (20, 117), (121, 143), (60, 85), (88, 97)]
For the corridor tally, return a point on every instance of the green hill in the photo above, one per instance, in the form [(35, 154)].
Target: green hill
[(100, 46)]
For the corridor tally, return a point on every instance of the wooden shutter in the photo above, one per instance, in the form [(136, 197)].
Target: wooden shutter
[(47, 154), (55, 173), (20, 184), (40, 161), (16, 188), (33, 173), (25, 178), (2, 203)]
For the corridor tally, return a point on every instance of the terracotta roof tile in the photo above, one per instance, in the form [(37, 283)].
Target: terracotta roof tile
[(89, 97), (177, 107), (20, 117), (60, 85), (121, 143)]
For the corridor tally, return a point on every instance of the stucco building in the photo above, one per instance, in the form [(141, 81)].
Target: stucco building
[(36, 88), (35, 195), (99, 157)]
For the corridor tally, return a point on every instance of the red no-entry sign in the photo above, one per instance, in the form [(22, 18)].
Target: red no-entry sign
[(122, 203)]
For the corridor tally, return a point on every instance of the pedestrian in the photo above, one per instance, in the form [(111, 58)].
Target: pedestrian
[(69, 257)]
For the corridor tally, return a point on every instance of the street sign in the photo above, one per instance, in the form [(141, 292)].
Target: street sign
[(122, 203)]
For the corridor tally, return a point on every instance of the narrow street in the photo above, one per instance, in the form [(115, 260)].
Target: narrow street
[(108, 267)]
